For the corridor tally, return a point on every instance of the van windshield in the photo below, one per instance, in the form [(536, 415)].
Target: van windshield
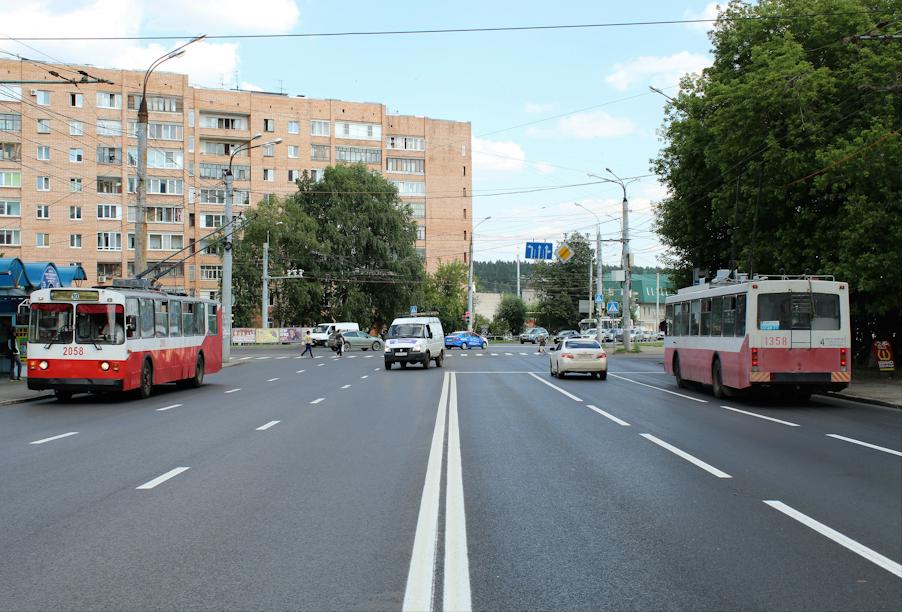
[(321, 329), (407, 330)]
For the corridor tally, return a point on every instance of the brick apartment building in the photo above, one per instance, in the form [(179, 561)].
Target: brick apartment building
[(68, 167)]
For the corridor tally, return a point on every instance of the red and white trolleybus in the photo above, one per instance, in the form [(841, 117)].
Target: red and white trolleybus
[(783, 332), (120, 339)]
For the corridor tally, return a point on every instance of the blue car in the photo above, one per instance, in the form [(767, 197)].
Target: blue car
[(465, 340)]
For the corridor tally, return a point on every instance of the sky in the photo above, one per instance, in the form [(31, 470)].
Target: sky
[(547, 107)]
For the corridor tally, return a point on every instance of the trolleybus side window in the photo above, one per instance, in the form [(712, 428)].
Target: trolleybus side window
[(740, 314), (146, 318), (188, 318), (705, 327), (50, 323), (717, 315), (175, 318), (99, 323), (729, 314), (200, 319), (668, 317), (161, 316), (211, 319), (694, 313), (132, 318)]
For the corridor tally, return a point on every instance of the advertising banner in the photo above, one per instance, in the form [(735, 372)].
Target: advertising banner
[(883, 353), (291, 334), (244, 335), (269, 335)]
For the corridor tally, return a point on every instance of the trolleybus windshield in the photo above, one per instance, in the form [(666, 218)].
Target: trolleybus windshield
[(50, 323), (99, 323)]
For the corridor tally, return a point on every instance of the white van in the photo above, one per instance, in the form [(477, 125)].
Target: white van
[(322, 331), (415, 340)]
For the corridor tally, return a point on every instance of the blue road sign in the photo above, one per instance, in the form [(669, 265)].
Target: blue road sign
[(613, 308), (598, 298), (413, 310), (539, 250)]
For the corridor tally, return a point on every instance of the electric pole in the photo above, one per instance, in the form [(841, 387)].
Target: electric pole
[(470, 315), (264, 310)]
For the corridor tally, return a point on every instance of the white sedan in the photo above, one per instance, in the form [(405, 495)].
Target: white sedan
[(579, 355)]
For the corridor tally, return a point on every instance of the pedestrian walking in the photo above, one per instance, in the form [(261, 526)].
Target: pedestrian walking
[(542, 339), (308, 344), (340, 344), (12, 351)]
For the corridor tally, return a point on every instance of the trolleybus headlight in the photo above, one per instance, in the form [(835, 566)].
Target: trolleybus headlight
[(104, 365), (43, 365)]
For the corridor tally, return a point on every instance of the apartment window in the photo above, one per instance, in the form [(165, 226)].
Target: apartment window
[(410, 187), (157, 104), (10, 122), (109, 241), (10, 237), (211, 220), (165, 242), (108, 269), (157, 214), (74, 241), (358, 131), (319, 152), (190, 118), (76, 100), (294, 151), (42, 97), (358, 154), (166, 159), (210, 272), (418, 209), (212, 196), (158, 131), (294, 127), (10, 208), (43, 153), (42, 183), (269, 125), (42, 240), (406, 165), (294, 175), (421, 253), (421, 232), (157, 185), (190, 144), (10, 178), (269, 174), (217, 171), (109, 155), (211, 147), (10, 151), (75, 185), (76, 156), (317, 174), (11, 93), (269, 150), (76, 128), (43, 211), (406, 143), (223, 122), (109, 184), (75, 213), (109, 127), (109, 212), (109, 100), (319, 128), (43, 126)]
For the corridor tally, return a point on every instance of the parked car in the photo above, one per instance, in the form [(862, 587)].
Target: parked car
[(533, 335), (578, 355), (355, 339), (564, 334), (323, 331), (464, 340)]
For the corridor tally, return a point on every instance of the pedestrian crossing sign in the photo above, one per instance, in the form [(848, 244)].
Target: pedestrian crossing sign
[(613, 308)]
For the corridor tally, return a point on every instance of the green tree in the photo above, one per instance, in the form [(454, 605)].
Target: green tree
[(562, 285), (511, 314), (445, 292), (784, 154)]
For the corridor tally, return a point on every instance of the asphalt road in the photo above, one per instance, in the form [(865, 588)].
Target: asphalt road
[(327, 484)]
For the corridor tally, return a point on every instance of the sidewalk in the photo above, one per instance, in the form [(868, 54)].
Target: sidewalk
[(15, 392), (882, 391)]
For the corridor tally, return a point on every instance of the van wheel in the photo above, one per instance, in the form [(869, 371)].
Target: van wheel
[(388, 365), (198, 379), (426, 363), (717, 380), (676, 372), (403, 365), (146, 386), (440, 360)]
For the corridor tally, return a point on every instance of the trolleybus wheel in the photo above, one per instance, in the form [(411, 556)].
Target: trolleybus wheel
[(146, 386)]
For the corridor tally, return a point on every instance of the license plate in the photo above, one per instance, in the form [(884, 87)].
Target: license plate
[(400, 352), (584, 357)]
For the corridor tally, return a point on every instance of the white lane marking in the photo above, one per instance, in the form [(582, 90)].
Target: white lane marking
[(673, 449), (508, 354), (319, 365), (352, 356), (874, 446), (641, 372), (318, 357), (300, 371), (317, 400), (610, 416), (522, 353), (463, 354), (365, 376), (456, 589), (555, 387), (761, 416), (498, 371), (419, 590), (860, 549), (299, 357), (268, 425), (368, 356), (168, 407), (694, 399), (494, 354), (244, 358), (345, 386), (377, 369), (233, 390), (273, 379), (264, 357), (52, 438), (284, 357), (162, 478), (479, 354)]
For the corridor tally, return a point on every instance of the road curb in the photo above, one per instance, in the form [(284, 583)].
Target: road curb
[(23, 400), (861, 399)]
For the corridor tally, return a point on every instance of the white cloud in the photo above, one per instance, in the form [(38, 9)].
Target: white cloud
[(594, 124), (543, 167), (246, 86), (709, 12), (206, 63), (534, 108), (497, 155), (660, 71)]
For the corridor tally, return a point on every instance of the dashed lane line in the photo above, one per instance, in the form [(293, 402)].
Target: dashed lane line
[(52, 438), (761, 416), (264, 357), (300, 371), (273, 379), (268, 425), (150, 484), (684, 455), (345, 386), (319, 365), (636, 382), (365, 376), (244, 358), (607, 415), (233, 390), (556, 388), (168, 407), (284, 357), (317, 400), (867, 444)]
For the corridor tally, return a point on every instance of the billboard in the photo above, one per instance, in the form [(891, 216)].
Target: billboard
[(244, 335)]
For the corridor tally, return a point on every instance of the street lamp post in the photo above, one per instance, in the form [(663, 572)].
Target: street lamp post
[(470, 278), (227, 247), (598, 273), (141, 205), (264, 300)]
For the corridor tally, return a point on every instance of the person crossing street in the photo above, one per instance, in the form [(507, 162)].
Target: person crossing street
[(308, 344)]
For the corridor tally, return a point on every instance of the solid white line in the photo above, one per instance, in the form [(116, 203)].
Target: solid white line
[(673, 449), (761, 416), (365, 376), (555, 387), (264, 357), (345, 386), (610, 416), (300, 371), (243, 358), (419, 590), (694, 399), (52, 438), (874, 446), (456, 590), (272, 379), (317, 400), (168, 407), (162, 478), (233, 390), (857, 548), (640, 372), (284, 357), (268, 425)]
